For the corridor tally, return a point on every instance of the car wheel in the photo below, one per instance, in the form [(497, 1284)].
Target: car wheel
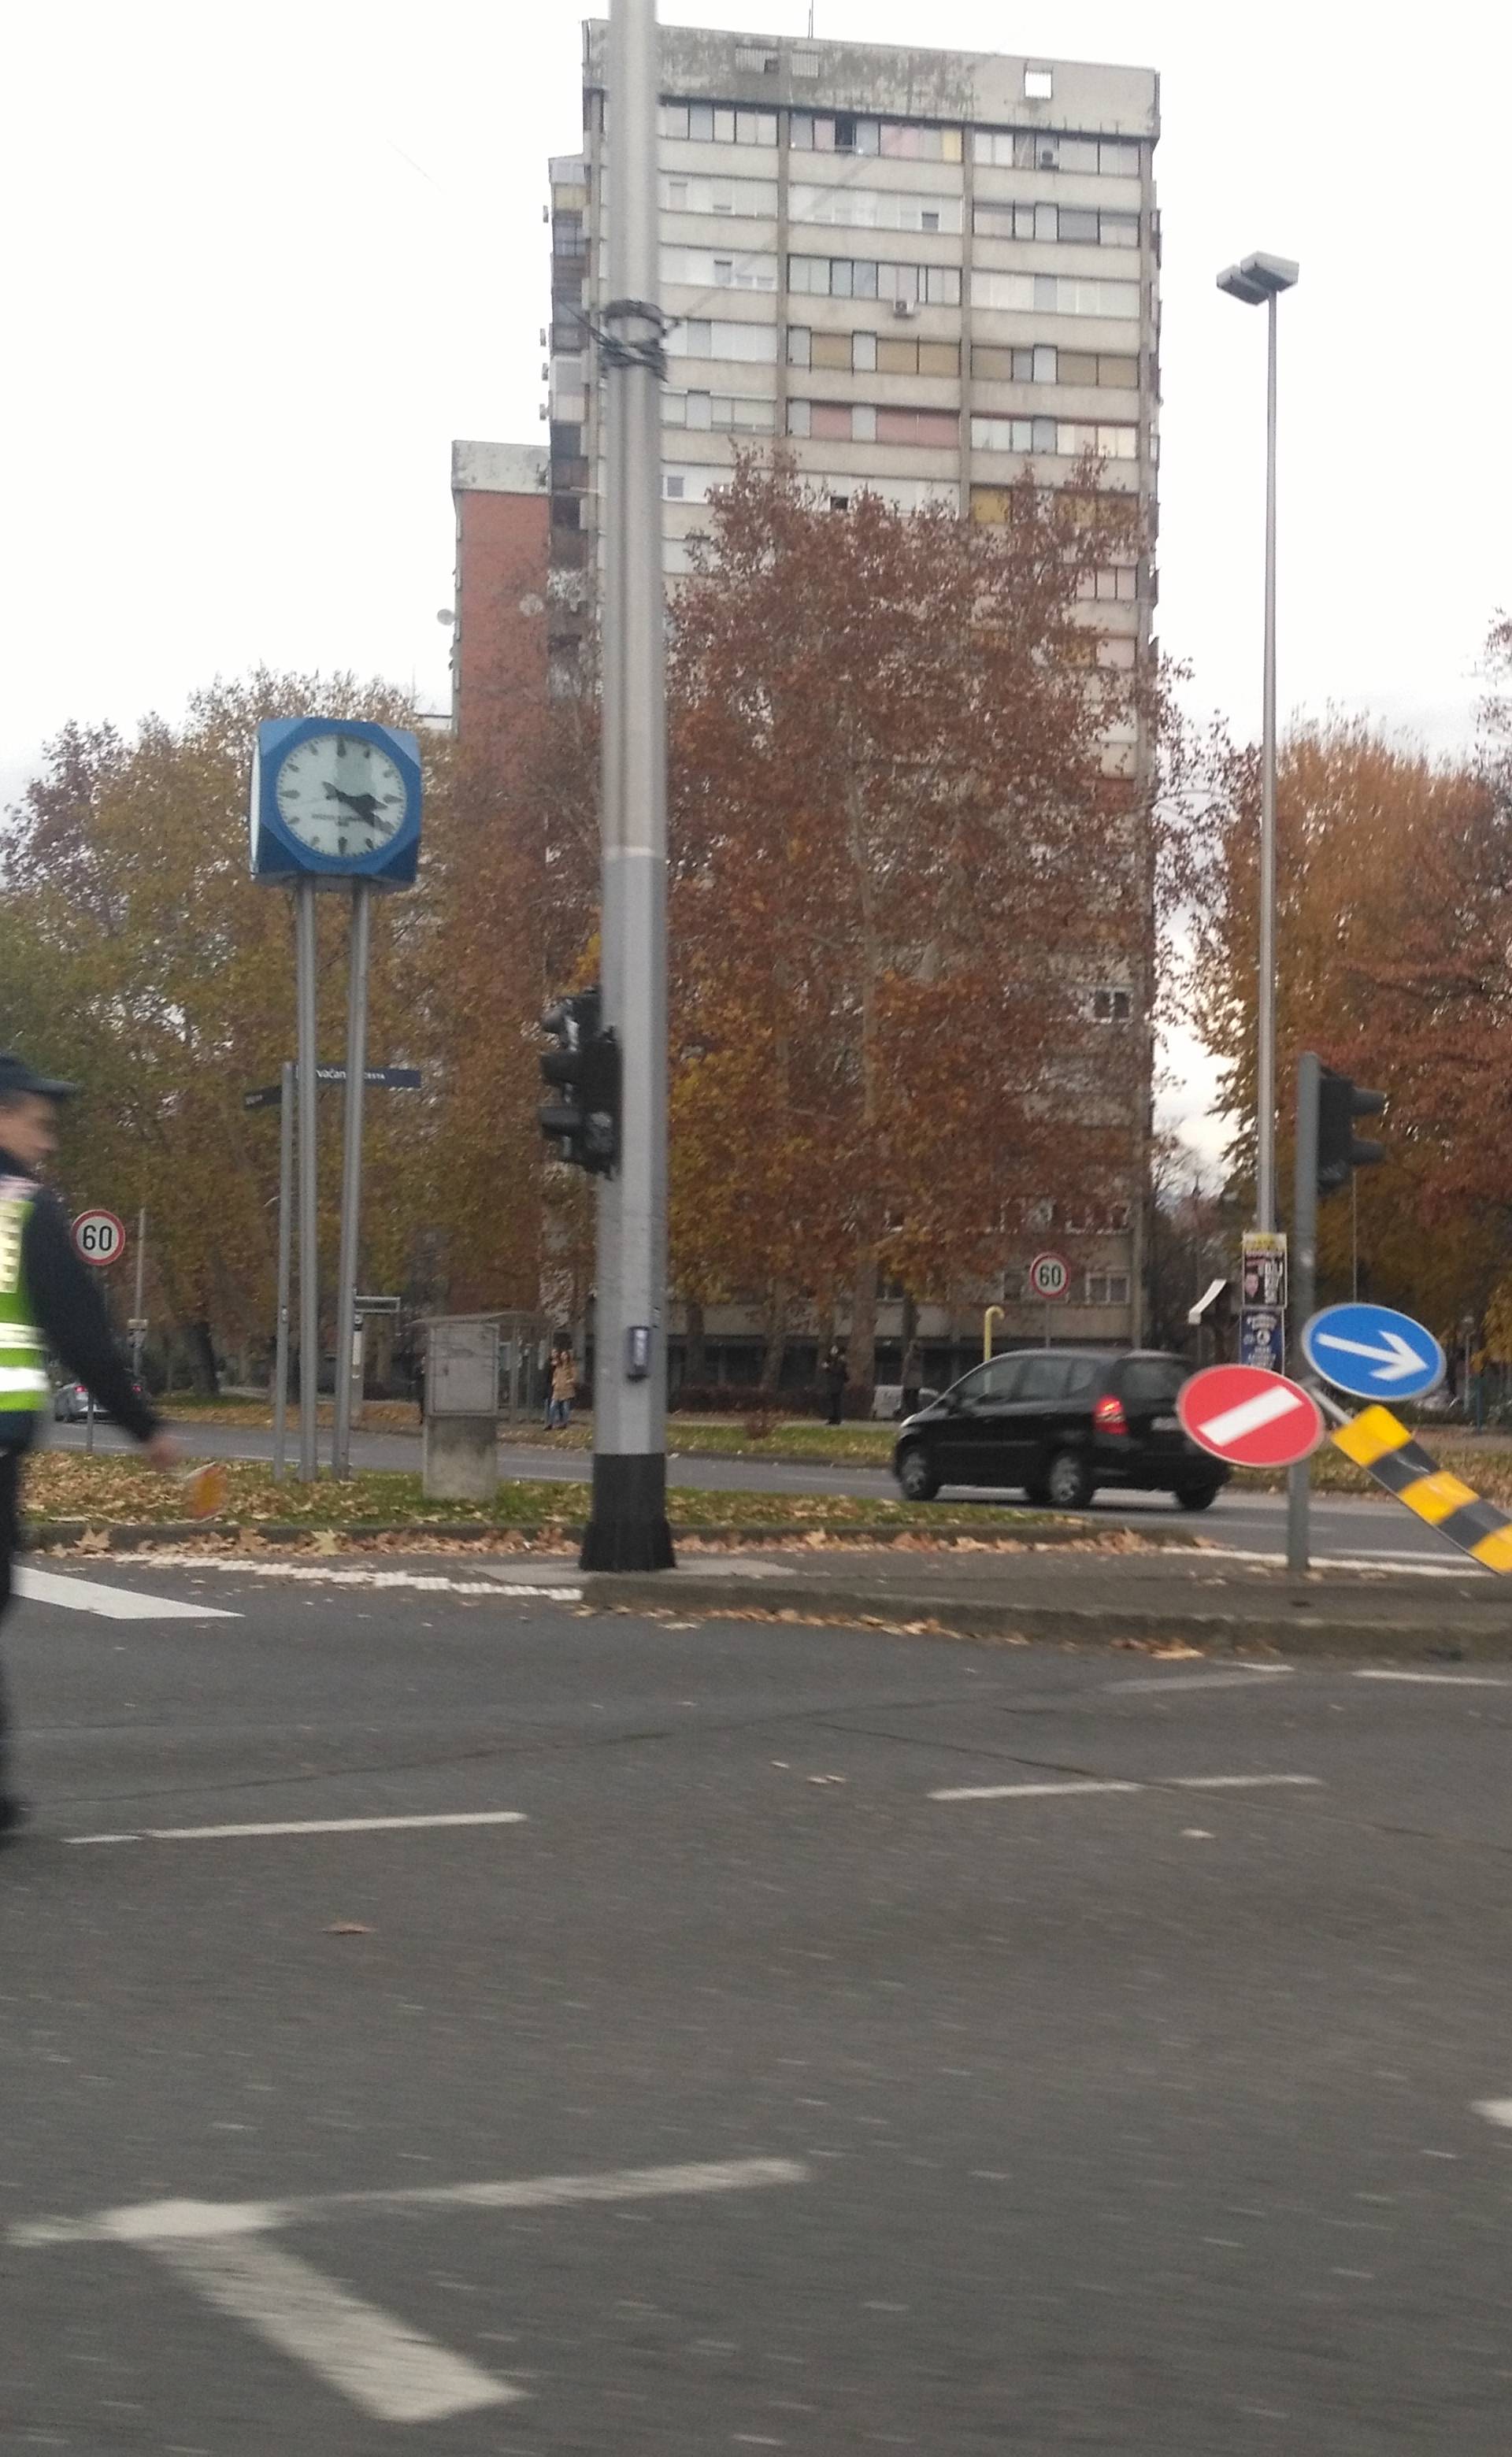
[(1068, 1481), (915, 1477), (1197, 1497)]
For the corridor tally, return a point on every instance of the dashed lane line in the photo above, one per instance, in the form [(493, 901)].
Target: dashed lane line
[(305, 1826), (1441, 1680), (1164, 1783)]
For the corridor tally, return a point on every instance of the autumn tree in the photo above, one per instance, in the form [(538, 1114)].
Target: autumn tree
[(900, 857)]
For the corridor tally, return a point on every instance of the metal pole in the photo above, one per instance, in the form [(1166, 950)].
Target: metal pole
[(1304, 1284), (138, 1334), (1265, 1051), (309, 1190), (280, 1344), (627, 1526), (351, 1172)]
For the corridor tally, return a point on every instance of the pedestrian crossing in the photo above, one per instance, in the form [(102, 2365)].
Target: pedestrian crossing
[(108, 1602)]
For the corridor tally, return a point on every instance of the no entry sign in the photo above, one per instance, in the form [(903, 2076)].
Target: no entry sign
[(1250, 1418)]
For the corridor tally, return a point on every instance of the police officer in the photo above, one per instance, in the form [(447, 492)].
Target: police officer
[(48, 1299)]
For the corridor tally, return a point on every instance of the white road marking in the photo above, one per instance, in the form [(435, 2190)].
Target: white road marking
[(1251, 1415), (1496, 2110), (340, 1574), (1157, 1782), (1446, 1679), (113, 1603), (389, 2369), (306, 1826), (1417, 1565), (1244, 1673), (150, 2222)]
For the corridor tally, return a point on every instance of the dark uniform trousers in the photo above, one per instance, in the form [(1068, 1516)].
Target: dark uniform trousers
[(10, 1533)]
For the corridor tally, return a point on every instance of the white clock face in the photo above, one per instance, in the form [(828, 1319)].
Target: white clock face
[(340, 796)]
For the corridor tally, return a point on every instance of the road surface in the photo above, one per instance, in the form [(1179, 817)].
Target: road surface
[(437, 2020)]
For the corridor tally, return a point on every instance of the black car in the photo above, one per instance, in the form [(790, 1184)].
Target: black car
[(1058, 1422)]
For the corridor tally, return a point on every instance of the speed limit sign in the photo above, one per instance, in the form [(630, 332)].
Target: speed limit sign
[(1050, 1276), (98, 1238)]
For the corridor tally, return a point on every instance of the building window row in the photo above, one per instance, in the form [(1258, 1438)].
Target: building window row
[(744, 199), (1038, 149), (892, 140), (1105, 1289), (704, 337), (845, 276), (1043, 363), (865, 354), (704, 268), (874, 209), (1070, 438), (1086, 508), (848, 421), (1115, 584), (709, 123), (1053, 294), (719, 412), (1082, 223)]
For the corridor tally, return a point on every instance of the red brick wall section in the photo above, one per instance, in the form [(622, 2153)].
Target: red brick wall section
[(501, 651)]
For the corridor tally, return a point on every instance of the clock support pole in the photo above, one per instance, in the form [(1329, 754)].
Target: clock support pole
[(627, 1527), (309, 1190), (351, 1172)]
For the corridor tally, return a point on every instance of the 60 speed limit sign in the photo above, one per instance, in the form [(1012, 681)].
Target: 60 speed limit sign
[(98, 1238), (1050, 1276)]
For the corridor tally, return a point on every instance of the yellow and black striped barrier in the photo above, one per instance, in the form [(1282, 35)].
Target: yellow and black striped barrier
[(1376, 1441)]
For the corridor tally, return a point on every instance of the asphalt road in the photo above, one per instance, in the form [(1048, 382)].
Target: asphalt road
[(1343, 1529), (850, 2043)]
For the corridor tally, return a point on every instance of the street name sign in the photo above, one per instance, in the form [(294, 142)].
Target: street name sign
[(1373, 1353), (98, 1238), (1250, 1418), (385, 1078), (1051, 1277)]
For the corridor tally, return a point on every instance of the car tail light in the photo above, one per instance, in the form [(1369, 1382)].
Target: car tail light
[(1108, 1416)]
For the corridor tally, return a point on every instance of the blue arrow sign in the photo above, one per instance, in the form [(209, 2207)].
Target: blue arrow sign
[(1373, 1353)]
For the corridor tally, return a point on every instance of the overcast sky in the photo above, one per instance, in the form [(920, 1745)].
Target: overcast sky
[(264, 263)]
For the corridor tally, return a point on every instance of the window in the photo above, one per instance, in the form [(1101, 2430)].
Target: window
[(1039, 85), (1010, 149), (863, 353), (567, 236), (1108, 443), (1046, 1378), (898, 140), (729, 413), (1053, 295), (689, 193), (754, 62), (1115, 584), (1105, 1289), (1149, 1382), (940, 428), (997, 1381), (832, 350), (700, 268), (844, 277), (1111, 1006), (699, 338), (567, 512), (1014, 435), (673, 486), (874, 208)]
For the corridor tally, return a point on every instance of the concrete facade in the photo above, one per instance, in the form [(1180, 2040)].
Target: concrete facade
[(929, 273)]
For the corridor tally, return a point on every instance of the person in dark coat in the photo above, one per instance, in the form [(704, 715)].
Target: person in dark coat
[(835, 1378), (49, 1301), (913, 1374)]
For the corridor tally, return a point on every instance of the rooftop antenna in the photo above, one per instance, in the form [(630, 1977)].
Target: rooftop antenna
[(811, 20)]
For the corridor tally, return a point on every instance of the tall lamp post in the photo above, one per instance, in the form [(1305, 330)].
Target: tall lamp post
[(1260, 281)]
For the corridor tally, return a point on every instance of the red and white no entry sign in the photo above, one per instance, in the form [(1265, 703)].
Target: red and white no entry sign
[(1250, 1418), (1050, 1276), (98, 1238)]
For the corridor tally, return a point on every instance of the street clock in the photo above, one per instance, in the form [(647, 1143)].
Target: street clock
[(335, 800)]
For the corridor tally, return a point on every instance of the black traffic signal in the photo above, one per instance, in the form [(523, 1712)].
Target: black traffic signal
[(1339, 1150), (582, 1072)]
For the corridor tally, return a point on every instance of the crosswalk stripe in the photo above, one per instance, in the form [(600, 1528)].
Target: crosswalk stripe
[(111, 1603)]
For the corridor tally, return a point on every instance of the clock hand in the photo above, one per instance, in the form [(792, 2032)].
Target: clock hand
[(366, 805)]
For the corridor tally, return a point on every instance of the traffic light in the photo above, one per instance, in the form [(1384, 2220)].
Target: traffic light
[(1339, 1150), (582, 1072)]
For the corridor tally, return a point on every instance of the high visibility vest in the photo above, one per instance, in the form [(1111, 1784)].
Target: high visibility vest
[(24, 1383)]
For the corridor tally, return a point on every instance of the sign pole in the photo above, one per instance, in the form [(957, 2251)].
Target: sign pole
[(351, 1173), (280, 1341), (138, 1321), (309, 1190), (1302, 1291), (628, 1528)]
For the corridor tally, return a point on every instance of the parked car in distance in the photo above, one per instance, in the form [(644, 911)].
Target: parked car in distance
[(1058, 1423), (71, 1402)]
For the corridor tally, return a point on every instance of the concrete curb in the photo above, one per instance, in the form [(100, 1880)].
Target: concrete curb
[(127, 1537)]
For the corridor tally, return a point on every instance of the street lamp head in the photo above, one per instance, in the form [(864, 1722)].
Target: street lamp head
[(1258, 278)]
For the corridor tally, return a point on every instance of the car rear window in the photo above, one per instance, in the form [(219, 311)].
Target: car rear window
[(1151, 1381)]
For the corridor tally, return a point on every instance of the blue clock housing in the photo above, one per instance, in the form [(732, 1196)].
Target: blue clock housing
[(278, 853)]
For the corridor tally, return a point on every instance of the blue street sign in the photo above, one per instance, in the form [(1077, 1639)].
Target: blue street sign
[(1262, 1338), (1373, 1353)]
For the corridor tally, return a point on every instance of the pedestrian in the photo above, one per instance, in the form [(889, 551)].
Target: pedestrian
[(913, 1374), (47, 1300), (563, 1391), (835, 1378)]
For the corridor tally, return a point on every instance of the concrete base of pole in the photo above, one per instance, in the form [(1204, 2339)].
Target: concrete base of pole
[(626, 1528), (460, 1459)]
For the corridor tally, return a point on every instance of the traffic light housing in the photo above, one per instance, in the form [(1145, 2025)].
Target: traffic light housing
[(1340, 1151), (583, 1074)]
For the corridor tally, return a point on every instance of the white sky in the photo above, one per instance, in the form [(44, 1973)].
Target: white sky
[(264, 263)]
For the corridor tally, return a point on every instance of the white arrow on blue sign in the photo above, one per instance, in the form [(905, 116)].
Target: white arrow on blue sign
[(1373, 1353)]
